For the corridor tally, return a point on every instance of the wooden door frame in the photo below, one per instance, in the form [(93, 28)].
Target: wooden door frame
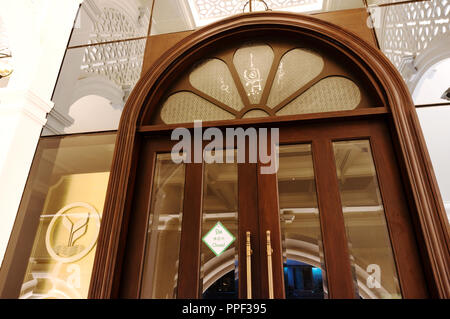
[(429, 212)]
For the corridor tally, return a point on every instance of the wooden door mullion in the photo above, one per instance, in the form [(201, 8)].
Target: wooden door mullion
[(248, 221), (269, 212), (189, 261), (403, 241), (336, 252)]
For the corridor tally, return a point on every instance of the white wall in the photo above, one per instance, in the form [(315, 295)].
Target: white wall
[(38, 33), (436, 128)]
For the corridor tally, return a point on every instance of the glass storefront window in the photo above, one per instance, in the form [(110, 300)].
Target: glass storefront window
[(93, 86), (160, 276), (63, 204)]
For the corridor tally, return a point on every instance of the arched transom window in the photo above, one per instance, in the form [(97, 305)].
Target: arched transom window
[(262, 79)]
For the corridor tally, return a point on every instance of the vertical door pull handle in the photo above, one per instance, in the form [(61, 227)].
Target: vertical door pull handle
[(249, 265), (269, 265)]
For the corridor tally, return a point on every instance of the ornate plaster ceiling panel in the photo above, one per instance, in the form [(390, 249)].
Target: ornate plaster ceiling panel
[(206, 11), (407, 30)]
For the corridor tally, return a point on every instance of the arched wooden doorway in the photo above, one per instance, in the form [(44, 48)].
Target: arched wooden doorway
[(343, 108)]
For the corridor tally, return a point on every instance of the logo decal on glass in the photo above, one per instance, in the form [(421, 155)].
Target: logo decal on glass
[(73, 232), (218, 239)]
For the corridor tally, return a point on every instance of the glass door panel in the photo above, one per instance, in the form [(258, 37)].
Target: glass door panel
[(160, 275), (303, 261), (369, 243), (219, 247)]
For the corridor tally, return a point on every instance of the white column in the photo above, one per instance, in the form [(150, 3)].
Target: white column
[(38, 33)]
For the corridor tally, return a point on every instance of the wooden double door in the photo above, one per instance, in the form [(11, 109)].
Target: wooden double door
[(331, 222)]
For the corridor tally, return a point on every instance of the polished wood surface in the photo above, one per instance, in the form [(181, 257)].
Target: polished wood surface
[(189, 270), (335, 241), (270, 221), (249, 221)]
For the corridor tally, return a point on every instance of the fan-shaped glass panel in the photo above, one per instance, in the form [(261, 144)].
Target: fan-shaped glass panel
[(255, 114), (186, 107), (331, 94), (296, 69), (213, 77), (258, 79), (253, 63)]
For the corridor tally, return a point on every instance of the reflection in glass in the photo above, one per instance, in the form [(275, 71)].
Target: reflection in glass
[(103, 21), (164, 230), (63, 203), (409, 33), (219, 272), (303, 259), (367, 233), (93, 87), (171, 16), (225, 287), (302, 281)]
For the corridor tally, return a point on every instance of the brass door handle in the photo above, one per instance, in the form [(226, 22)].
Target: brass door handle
[(249, 266), (269, 264)]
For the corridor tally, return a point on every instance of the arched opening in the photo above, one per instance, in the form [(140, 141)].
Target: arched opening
[(343, 158)]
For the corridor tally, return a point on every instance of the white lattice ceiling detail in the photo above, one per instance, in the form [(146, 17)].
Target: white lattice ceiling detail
[(120, 62), (206, 11), (408, 29), (113, 25)]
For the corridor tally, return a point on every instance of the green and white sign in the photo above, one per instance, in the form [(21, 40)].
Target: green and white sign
[(218, 239)]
